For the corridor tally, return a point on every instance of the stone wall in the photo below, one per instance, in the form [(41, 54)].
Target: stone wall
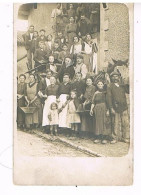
[(41, 17), (117, 33)]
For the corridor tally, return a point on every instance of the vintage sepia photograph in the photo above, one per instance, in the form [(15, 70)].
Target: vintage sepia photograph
[(73, 79)]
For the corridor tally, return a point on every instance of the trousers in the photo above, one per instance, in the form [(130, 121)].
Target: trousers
[(120, 126)]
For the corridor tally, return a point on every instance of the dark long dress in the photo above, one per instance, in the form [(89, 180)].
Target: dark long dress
[(21, 103), (99, 100), (87, 124)]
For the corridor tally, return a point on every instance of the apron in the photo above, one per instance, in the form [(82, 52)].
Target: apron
[(63, 116), (50, 99)]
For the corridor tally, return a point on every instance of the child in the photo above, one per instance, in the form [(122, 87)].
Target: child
[(53, 118), (98, 108), (74, 118)]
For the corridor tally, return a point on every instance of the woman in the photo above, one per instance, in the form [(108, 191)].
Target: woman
[(87, 120), (89, 52), (100, 111), (70, 30), (21, 87), (32, 99), (51, 93), (63, 94), (68, 68)]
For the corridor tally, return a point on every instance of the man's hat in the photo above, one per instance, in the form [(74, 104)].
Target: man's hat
[(42, 30), (80, 56), (114, 73)]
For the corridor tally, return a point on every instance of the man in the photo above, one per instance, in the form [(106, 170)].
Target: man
[(42, 37), (79, 85), (28, 37), (40, 56), (56, 17), (84, 26), (117, 104), (80, 66)]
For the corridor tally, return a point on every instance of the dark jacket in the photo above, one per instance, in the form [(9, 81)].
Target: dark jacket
[(116, 97), (63, 70)]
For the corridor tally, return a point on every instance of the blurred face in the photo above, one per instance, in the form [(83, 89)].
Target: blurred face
[(100, 85), (51, 59), (60, 34), (35, 34), (53, 107), (31, 29), (41, 45), (67, 61), (56, 45), (52, 80), (82, 18), (89, 82), (66, 79), (49, 74), (22, 79), (115, 78), (42, 33), (79, 60), (75, 39), (31, 79), (71, 6), (78, 76), (73, 95), (58, 5), (49, 38), (71, 19), (65, 48), (88, 37)]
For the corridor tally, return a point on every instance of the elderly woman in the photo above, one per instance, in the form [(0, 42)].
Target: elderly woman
[(21, 87), (50, 94), (32, 99)]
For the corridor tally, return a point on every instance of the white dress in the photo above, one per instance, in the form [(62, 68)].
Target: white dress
[(63, 116)]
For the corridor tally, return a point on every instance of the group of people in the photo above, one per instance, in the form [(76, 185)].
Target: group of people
[(64, 87)]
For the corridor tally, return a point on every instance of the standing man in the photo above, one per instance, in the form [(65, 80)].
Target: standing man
[(117, 104), (29, 46)]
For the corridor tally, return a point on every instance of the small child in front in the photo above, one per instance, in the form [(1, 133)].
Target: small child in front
[(74, 118), (53, 118)]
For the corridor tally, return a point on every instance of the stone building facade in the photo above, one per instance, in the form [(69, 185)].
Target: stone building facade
[(114, 28)]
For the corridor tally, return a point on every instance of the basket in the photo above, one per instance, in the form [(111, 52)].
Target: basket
[(28, 110)]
